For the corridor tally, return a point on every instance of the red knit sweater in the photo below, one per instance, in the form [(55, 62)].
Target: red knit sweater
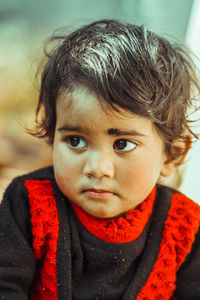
[(45, 244), (175, 245), (179, 233), (119, 230)]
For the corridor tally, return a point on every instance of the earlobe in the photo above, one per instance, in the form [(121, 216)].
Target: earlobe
[(180, 149), (169, 168)]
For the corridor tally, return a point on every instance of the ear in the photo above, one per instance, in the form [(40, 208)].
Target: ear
[(179, 148)]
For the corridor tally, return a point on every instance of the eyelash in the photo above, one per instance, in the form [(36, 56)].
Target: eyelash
[(71, 138), (124, 142), (121, 143)]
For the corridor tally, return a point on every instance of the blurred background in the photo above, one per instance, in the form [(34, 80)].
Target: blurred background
[(24, 26)]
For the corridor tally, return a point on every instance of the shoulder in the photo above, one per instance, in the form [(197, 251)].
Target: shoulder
[(40, 174), (178, 260), (179, 203), (15, 205), (183, 218), (16, 193), (178, 207), (18, 183), (182, 225), (29, 196)]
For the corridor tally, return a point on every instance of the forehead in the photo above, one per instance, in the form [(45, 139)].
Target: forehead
[(79, 100), (85, 108)]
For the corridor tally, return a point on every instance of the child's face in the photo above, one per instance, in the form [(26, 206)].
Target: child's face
[(104, 162)]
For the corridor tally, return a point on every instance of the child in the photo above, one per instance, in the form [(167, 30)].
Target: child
[(97, 225)]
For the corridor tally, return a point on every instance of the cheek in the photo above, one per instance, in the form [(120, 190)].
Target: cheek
[(140, 174), (133, 177), (65, 168)]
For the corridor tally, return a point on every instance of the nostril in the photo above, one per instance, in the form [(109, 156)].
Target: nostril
[(99, 165)]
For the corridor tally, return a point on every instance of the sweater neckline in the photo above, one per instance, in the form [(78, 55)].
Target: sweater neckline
[(118, 230)]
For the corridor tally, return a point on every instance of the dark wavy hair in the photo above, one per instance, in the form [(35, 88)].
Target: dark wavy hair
[(126, 66)]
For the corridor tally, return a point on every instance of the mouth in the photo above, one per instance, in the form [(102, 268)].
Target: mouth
[(98, 194)]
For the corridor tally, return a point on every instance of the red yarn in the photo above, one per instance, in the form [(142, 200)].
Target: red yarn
[(119, 230), (179, 234), (45, 229)]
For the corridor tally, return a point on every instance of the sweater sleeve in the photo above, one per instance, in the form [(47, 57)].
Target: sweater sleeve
[(17, 262), (188, 277)]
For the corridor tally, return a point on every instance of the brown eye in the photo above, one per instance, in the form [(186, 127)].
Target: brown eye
[(124, 145), (76, 142)]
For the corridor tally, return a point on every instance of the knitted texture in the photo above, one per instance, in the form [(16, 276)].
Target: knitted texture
[(45, 229), (43, 257), (179, 234), (119, 230)]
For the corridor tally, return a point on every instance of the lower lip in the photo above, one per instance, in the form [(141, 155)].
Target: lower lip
[(98, 195)]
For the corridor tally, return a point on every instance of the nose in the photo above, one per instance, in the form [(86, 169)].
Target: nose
[(98, 165)]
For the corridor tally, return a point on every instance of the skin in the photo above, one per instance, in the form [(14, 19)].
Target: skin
[(105, 162)]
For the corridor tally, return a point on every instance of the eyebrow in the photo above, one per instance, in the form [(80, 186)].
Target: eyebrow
[(110, 131), (70, 128), (118, 132)]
